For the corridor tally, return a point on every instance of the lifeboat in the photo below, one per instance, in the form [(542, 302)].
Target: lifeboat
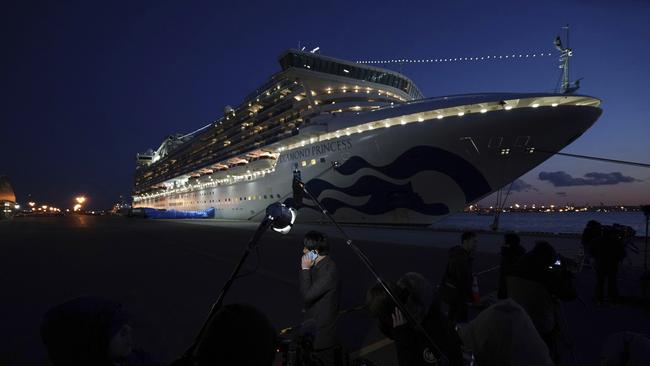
[(237, 166), (194, 178), (205, 175), (219, 171), (262, 161)]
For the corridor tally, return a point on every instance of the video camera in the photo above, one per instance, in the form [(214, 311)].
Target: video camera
[(617, 233), (565, 264)]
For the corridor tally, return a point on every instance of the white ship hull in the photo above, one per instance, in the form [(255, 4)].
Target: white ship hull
[(411, 173)]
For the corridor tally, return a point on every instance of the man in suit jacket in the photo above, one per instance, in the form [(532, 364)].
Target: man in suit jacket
[(319, 287)]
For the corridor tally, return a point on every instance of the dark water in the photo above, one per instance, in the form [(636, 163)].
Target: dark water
[(564, 222)]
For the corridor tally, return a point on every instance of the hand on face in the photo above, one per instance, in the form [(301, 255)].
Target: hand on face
[(398, 318), (306, 262)]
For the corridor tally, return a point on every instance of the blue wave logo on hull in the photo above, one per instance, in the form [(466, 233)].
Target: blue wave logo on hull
[(422, 158), (386, 196)]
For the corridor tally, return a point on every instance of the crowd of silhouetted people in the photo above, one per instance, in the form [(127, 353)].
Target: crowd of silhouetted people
[(431, 325)]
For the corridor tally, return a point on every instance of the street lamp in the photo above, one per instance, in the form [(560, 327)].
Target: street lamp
[(80, 199)]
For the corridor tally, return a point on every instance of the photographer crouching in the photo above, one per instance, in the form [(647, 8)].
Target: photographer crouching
[(319, 287)]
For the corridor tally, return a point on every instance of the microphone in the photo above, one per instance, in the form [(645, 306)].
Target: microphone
[(297, 187), (281, 216)]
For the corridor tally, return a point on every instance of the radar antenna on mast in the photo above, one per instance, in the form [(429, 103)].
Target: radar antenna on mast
[(566, 86)]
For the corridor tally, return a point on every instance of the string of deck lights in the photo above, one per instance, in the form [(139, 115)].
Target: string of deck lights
[(458, 59)]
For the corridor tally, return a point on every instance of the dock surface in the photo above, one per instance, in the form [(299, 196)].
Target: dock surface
[(168, 273)]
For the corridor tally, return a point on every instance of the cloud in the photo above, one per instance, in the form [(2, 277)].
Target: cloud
[(563, 194), (563, 179), (520, 185)]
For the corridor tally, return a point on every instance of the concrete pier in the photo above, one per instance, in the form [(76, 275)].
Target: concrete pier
[(168, 273)]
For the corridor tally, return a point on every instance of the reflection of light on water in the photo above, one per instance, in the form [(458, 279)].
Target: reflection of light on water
[(81, 221)]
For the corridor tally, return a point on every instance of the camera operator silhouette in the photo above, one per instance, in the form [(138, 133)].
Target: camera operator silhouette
[(538, 281), (416, 293)]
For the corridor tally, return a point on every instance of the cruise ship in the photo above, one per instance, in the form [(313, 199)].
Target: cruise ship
[(365, 141)]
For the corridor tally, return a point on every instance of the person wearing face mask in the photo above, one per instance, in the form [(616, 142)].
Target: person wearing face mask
[(319, 287)]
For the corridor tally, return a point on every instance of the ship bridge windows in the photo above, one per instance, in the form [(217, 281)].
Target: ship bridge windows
[(315, 63)]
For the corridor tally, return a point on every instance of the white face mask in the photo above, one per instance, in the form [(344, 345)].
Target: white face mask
[(312, 254)]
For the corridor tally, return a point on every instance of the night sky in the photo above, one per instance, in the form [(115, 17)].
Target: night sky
[(86, 85)]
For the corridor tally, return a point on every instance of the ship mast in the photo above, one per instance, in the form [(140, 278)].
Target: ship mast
[(566, 87)]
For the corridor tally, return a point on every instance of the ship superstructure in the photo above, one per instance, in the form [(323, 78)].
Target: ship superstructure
[(308, 85), (365, 141)]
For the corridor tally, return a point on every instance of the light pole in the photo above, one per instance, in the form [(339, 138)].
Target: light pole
[(80, 200)]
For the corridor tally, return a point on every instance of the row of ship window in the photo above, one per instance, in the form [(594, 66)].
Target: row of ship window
[(246, 198), (303, 163)]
